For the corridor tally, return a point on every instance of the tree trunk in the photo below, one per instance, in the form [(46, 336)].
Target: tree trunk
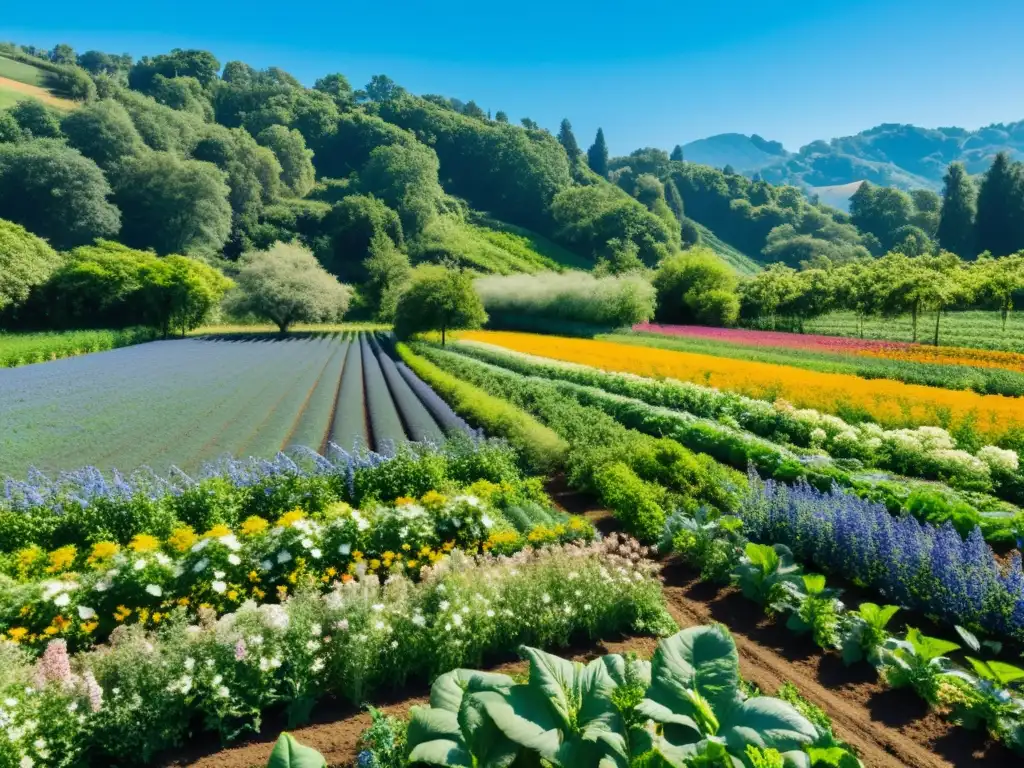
[(442, 336), (938, 316)]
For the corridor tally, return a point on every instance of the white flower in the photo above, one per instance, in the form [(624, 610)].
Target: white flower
[(345, 548), (26, 762), (201, 565), (419, 620), (545, 598), (444, 605), (234, 559), (218, 679), (378, 607), (318, 665), (487, 522), (223, 692), (73, 706), (490, 614), (284, 556), (218, 574), (998, 458), (190, 663), (307, 543), (275, 662), (457, 619), (154, 590), (11, 702), (256, 640), (266, 565), (62, 599), (315, 553), (140, 564), (264, 664), (218, 586), (231, 542), (394, 644), (312, 645), (200, 545), (378, 625), (163, 559), (316, 630)]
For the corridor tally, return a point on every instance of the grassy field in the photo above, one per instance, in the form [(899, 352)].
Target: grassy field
[(184, 402), (981, 330), (738, 260), (24, 73), (20, 81)]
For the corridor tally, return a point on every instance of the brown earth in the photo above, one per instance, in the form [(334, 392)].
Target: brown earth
[(889, 729)]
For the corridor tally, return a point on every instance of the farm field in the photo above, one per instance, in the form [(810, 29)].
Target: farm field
[(20, 81), (889, 403), (186, 402), (977, 329)]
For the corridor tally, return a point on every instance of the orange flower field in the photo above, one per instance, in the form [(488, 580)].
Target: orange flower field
[(921, 353), (890, 403)]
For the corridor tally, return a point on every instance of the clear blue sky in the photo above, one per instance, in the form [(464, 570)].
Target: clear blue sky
[(655, 73)]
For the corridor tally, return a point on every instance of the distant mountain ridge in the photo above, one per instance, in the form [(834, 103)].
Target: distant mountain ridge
[(891, 154)]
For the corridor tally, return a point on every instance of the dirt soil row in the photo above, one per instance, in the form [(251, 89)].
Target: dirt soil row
[(889, 729)]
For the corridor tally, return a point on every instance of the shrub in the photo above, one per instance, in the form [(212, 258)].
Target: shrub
[(570, 296), (633, 501), (696, 286)]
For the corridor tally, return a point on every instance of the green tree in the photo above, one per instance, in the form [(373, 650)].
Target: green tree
[(814, 296), (956, 218), (103, 131), (619, 257), (882, 211), (530, 125), (387, 271), (338, 88), (56, 193), (351, 226), (998, 223), (289, 147), (182, 292), (173, 205), (63, 54), (287, 285), (26, 262), (382, 88), (501, 117), (999, 280), (568, 140), (674, 200), (35, 119), (405, 178), (927, 208), (10, 131), (856, 289), (201, 65), (692, 287), (766, 292), (438, 298), (677, 153), (597, 155), (185, 94)]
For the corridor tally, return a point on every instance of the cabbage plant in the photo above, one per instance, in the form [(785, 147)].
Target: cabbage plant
[(684, 708), (763, 570)]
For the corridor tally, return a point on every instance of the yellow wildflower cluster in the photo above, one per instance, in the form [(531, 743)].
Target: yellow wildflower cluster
[(182, 538)]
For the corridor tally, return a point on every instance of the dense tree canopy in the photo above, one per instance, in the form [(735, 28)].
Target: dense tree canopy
[(103, 131), (956, 224), (56, 193), (26, 262), (438, 298)]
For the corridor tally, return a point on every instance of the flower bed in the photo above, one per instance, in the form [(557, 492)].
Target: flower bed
[(146, 691)]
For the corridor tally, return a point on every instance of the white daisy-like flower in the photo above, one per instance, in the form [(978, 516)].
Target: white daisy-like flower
[(26, 762), (444, 605), (217, 679), (284, 556), (307, 543), (266, 565), (231, 542), (218, 574), (419, 620), (234, 559), (154, 590), (344, 549), (315, 553), (318, 665), (62, 599), (223, 692), (218, 586), (85, 613), (545, 598), (189, 663), (490, 614), (163, 559), (201, 565), (312, 645), (316, 630), (140, 564), (457, 619)]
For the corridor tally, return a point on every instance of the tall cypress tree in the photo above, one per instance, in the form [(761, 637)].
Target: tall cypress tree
[(674, 199), (677, 153), (597, 155), (997, 226), (567, 140), (956, 219)]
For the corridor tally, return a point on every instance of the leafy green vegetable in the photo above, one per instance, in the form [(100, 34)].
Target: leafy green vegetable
[(288, 753)]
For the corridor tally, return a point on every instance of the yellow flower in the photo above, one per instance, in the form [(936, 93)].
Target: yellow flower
[(144, 543), (449, 546), (389, 555), (88, 627), (62, 559), (183, 601), (404, 501), (254, 577), (143, 615), (232, 594), (122, 613), (258, 593), (157, 617), (433, 499), (26, 610), (424, 550), (406, 547), (17, 634), (502, 539), (375, 564), (182, 539), (282, 591), (50, 630), (253, 525), (411, 564), (101, 552), (289, 519), (217, 531), (357, 555), (331, 572)]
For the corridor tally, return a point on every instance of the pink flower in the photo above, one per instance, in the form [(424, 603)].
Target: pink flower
[(93, 691), (240, 649), (55, 666)]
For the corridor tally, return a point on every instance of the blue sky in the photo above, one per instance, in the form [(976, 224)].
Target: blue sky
[(651, 74)]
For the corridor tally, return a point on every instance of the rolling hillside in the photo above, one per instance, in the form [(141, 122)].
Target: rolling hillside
[(20, 81), (736, 259)]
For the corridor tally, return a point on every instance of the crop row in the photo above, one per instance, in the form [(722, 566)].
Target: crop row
[(185, 402)]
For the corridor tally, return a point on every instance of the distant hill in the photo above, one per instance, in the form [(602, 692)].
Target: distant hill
[(904, 156), (735, 258)]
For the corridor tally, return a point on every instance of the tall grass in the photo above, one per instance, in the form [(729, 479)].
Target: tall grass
[(570, 296), (25, 348)]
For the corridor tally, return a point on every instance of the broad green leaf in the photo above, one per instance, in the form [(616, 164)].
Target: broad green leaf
[(878, 616), (763, 556), (555, 677), (645, 741), (969, 638), (448, 689), (288, 753), (428, 724), (701, 659), (767, 722), (929, 648), (997, 671), (441, 752), (814, 583), (834, 757), (524, 716), (622, 669), (594, 689), (485, 741)]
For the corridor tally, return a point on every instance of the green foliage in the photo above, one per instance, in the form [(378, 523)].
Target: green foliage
[(287, 285), (185, 94), (438, 298), (27, 348), (695, 286), (26, 262), (103, 132), (543, 449), (405, 178), (288, 753), (296, 161), (706, 540), (865, 633), (36, 120), (387, 271), (574, 296), (351, 226), (597, 155), (763, 572), (919, 662), (172, 205), (56, 193), (568, 141), (201, 65), (815, 609), (999, 226), (634, 502)]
